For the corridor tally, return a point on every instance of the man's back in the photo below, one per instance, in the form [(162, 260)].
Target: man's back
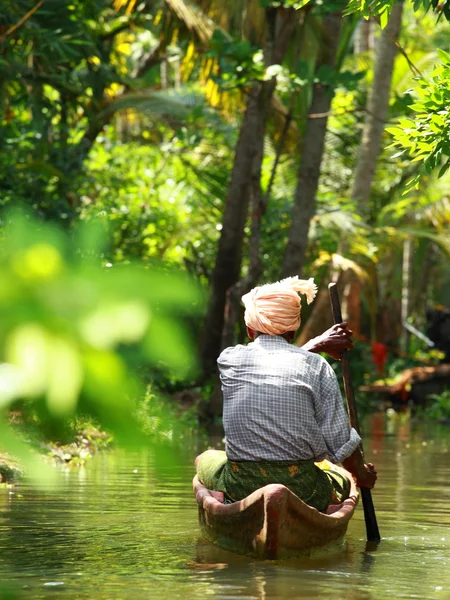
[(281, 403)]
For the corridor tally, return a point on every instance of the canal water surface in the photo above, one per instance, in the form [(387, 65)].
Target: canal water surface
[(125, 527)]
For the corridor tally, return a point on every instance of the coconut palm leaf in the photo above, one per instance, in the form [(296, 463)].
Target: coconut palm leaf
[(171, 104), (193, 18), (437, 213), (341, 263), (442, 241), (346, 222)]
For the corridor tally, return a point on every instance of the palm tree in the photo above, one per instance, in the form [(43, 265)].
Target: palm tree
[(376, 111), (334, 39), (245, 181)]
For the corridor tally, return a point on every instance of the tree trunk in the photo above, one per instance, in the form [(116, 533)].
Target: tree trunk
[(280, 25), (351, 304), (235, 293), (406, 292), (389, 327), (258, 206), (313, 146), (377, 106), (420, 292), (363, 37)]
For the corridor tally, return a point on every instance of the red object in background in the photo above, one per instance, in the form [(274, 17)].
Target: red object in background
[(379, 355), (404, 394)]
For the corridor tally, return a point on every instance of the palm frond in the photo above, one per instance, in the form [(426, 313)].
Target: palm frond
[(168, 103), (345, 222), (441, 240), (392, 236), (193, 18), (341, 263), (437, 213)]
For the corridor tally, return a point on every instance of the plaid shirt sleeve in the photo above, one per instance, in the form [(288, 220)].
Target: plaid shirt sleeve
[(341, 439)]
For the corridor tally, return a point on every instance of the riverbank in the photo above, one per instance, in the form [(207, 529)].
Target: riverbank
[(10, 470), (87, 440), (164, 421)]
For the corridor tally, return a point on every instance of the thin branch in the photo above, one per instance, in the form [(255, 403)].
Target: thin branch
[(342, 112), (402, 51), (22, 20), (123, 27), (411, 65), (153, 58)]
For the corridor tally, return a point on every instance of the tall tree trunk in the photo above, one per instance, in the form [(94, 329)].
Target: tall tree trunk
[(313, 146), (420, 291), (406, 292), (377, 106), (363, 37), (234, 294), (258, 206), (233, 311), (351, 304), (280, 25)]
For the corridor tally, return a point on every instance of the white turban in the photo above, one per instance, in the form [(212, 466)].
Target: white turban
[(274, 308)]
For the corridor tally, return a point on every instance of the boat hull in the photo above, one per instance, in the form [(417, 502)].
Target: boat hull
[(272, 523)]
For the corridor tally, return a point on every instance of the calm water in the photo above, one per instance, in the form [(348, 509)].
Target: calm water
[(125, 527)]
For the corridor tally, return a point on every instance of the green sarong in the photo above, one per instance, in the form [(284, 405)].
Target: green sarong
[(237, 479)]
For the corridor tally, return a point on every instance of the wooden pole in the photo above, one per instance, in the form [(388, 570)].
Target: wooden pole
[(373, 534)]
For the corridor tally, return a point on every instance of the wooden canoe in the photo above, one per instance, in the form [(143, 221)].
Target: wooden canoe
[(272, 523)]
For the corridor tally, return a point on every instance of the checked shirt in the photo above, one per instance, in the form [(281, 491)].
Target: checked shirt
[(282, 403)]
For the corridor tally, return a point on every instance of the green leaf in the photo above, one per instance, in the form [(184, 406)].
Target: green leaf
[(395, 131), (384, 19), (444, 169), (443, 55), (65, 378), (168, 344)]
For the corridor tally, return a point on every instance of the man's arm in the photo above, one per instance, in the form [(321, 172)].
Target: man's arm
[(364, 474), (334, 341), (343, 442)]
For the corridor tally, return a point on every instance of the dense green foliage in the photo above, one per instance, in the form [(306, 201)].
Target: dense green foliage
[(439, 407), (426, 136), (383, 8)]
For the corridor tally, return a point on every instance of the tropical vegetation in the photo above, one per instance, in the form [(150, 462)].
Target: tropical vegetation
[(168, 155)]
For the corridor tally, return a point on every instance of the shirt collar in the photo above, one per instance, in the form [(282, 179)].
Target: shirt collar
[(270, 341)]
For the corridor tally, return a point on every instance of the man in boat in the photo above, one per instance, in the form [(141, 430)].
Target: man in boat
[(282, 407)]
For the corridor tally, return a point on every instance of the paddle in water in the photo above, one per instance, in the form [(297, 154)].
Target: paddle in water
[(373, 534)]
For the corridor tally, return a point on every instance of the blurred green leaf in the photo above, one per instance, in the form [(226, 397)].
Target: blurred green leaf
[(167, 345), (72, 330)]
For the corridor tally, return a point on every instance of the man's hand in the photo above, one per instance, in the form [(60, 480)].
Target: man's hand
[(368, 477), (333, 341), (364, 473)]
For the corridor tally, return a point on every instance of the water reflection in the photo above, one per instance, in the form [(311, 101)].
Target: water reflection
[(346, 575), (126, 527)]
